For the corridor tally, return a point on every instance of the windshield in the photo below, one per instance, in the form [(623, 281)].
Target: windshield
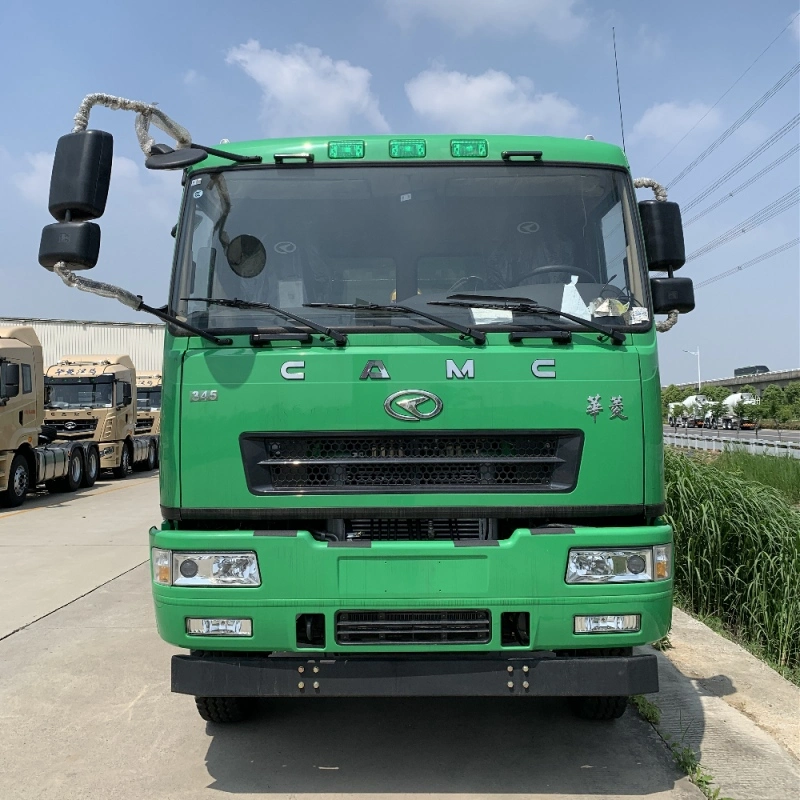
[(561, 236), (148, 399), (78, 393)]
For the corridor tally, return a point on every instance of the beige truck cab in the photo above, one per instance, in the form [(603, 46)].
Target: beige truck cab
[(28, 455), (148, 402), (93, 397)]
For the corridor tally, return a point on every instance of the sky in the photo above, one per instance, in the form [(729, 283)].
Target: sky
[(246, 69)]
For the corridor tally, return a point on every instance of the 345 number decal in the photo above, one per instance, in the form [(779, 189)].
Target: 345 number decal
[(199, 397)]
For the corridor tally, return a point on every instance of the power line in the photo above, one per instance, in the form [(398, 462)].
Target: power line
[(727, 91), (736, 125), (782, 204), (742, 186), (748, 159), (751, 263)]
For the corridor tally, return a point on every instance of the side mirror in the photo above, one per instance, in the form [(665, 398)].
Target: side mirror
[(75, 242), (672, 294), (9, 378), (126, 394), (81, 176), (663, 235)]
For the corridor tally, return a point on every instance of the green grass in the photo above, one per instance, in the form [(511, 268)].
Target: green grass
[(737, 554), (780, 472)]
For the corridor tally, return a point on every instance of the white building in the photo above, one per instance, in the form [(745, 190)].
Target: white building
[(143, 342)]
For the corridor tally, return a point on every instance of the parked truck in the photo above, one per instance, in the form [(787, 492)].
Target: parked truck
[(148, 402), (93, 398), (424, 455), (28, 455)]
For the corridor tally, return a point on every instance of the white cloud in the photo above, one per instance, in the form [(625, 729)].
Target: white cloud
[(796, 26), (668, 122), (559, 20), (192, 77), (492, 102), (307, 92)]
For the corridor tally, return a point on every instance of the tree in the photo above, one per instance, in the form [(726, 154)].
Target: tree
[(748, 389), (715, 393), (792, 395), (772, 401), (672, 394)]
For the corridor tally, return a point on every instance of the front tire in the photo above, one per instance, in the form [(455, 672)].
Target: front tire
[(223, 710), (19, 482), (124, 463), (599, 708)]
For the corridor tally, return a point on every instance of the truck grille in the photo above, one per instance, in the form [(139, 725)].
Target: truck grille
[(414, 627), (417, 530), (74, 428), (411, 462), (144, 425)]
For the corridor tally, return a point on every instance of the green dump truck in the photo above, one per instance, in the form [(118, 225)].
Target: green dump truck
[(411, 428)]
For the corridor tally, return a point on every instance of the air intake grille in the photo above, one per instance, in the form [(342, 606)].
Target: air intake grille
[(418, 530), (448, 462), (144, 424), (74, 427), (414, 627)]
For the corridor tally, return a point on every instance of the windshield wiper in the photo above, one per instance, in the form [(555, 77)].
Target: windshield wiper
[(337, 336), (479, 337), (162, 314), (524, 305)]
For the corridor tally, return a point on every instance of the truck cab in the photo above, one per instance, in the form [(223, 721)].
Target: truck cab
[(148, 402), (93, 397)]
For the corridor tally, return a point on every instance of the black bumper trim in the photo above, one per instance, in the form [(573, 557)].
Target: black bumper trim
[(419, 512), (400, 676)]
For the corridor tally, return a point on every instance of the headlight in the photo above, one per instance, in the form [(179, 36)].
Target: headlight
[(205, 569), (620, 565)]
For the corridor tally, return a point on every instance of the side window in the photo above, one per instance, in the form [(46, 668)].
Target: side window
[(614, 242), (27, 383), (119, 392)]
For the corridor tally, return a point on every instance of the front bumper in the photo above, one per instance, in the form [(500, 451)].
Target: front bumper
[(302, 576), (467, 675)]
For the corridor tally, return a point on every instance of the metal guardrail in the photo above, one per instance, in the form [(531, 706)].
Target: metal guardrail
[(721, 443)]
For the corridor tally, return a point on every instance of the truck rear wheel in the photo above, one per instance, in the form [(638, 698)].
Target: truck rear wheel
[(599, 708), (223, 709), (74, 477), (124, 462), (19, 481), (91, 468), (150, 462)]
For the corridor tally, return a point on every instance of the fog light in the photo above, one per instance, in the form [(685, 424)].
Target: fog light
[(610, 623), (218, 627)]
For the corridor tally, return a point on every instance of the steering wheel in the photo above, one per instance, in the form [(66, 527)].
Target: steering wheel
[(557, 268)]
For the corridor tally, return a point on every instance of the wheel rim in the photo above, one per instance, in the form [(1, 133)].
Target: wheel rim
[(126, 459), (75, 468), (20, 481), (91, 467)]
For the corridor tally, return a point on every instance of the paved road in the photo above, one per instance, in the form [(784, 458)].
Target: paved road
[(770, 435), (86, 712)]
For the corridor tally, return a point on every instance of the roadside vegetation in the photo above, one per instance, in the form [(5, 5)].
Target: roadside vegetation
[(782, 473), (737, 554)]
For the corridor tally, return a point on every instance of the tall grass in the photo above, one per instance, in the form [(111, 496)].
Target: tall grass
[(737, 554), (781, 472)]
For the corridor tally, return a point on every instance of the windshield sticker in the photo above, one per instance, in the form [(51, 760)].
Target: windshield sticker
[(490, 316), (638, 315), (284, 248), (404, 197), (608, 307), (528, 227), (290, 293), (198, 193), (196, 182)]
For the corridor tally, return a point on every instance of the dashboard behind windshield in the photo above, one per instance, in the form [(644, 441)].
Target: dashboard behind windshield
[(559, 235), (79, 393)]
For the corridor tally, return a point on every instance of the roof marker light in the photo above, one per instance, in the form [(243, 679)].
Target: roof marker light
[(407, 148), (353, 148), (469, 148)]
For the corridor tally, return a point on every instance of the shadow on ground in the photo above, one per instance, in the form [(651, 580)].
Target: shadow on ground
[(454, 746)]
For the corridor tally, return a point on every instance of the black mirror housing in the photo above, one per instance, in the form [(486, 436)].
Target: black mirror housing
[(663, 235), (672, 294), (81, 176), (164, 157), (77, 243), (126, 394)]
